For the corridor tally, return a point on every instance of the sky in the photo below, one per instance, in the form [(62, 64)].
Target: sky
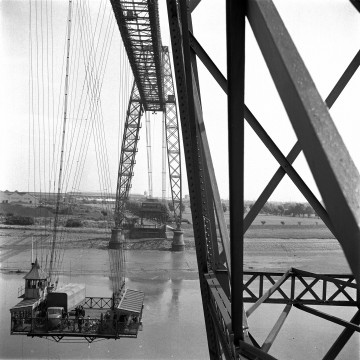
[(325, 33)]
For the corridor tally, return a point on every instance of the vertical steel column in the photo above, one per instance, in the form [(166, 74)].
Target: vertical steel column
[(172, 137), (163, 160), (235, 34), (149, 154), (193, 158)]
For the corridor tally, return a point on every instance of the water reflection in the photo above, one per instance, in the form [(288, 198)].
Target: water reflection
[(117, 270)]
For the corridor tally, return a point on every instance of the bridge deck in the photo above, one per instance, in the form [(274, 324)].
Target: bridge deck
[(140, 30)]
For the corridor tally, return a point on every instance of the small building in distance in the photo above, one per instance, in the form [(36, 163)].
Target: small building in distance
[(17, 197)]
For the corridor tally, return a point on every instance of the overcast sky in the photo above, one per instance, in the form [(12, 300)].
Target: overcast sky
[(324, 31)]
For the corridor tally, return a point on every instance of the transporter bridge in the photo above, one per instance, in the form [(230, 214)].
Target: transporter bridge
[(152, 91)]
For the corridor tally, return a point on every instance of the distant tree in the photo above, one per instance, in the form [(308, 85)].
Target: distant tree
[(270, 208), (73, 223), (297, 209), (133, 206), (300, 209), (19, 220), (281, 209), (309, 210), (266, 208), (224, 207), (165, 212)]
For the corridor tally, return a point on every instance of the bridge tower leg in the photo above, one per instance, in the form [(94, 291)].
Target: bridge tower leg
[(173, 148), (126, 165)]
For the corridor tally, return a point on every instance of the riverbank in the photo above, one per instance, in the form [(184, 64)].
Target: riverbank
[(260, 253)]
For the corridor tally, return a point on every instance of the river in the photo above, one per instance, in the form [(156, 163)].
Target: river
[(173, 319)]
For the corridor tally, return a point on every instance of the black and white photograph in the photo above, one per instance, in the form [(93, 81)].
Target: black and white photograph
[(180, 179)]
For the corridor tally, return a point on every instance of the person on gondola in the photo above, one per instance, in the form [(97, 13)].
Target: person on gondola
[(80, 322)]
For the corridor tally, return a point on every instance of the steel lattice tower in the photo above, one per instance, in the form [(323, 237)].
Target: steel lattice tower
[(153, 90)]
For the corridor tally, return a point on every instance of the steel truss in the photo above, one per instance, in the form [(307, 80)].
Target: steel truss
[(138, 22), (128, 152), (153, 90), (225, 287), (172, 136)]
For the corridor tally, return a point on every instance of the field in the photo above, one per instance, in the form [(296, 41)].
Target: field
[(95, 232), (277, 227), (271, 242)]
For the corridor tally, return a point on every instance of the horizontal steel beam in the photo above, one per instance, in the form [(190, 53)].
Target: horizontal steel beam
[(299, 287), (268, 293)]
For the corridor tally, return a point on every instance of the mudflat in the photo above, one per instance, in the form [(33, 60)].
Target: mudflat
[(268, 248)]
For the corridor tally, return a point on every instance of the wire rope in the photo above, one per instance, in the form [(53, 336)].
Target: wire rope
[(93, 45), (92, 66)]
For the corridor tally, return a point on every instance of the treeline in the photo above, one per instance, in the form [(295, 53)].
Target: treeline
[(286, 209)]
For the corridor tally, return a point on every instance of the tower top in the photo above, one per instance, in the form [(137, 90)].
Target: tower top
[(36, 273)]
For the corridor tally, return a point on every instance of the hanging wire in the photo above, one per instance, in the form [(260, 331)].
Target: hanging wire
[(85, 74)]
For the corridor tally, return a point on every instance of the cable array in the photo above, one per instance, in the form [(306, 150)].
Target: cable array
[(78, 120)]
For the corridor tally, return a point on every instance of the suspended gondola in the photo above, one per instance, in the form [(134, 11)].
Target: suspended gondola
[(50, 310)]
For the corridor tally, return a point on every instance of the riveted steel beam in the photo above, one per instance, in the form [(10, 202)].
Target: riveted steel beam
[(235, 35), (128, 152), (172, 137), (138, 23), (201, 203), (336, 176), (256, 126), (296, 149)]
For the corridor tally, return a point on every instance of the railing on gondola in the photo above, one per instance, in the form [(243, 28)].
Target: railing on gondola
[(108, 323), (95, 326)]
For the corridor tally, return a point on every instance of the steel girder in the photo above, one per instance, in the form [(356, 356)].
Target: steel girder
[(138, 22), (299, 287), (128, 152), (172, 137), (218, 306), (197, 158), (337, 177)]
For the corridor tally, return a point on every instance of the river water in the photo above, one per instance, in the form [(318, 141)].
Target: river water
[(173, 319)]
